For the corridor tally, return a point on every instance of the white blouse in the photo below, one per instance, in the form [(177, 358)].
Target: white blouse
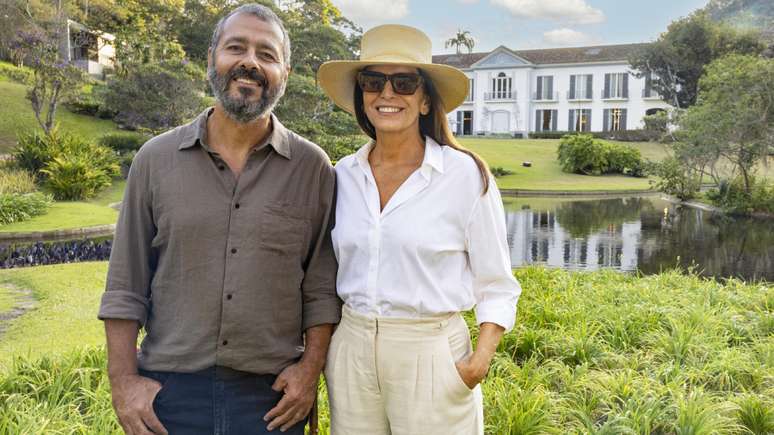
[(438, 246)]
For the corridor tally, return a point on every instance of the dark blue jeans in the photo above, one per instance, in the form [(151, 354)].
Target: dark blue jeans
[(216, 401)]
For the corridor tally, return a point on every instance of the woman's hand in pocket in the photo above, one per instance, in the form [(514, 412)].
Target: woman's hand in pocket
[(471, 371)]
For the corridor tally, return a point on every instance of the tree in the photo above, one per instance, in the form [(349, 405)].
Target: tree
[(157, 95), (678, 58), (461, 39), (734, 115), (319, 33)]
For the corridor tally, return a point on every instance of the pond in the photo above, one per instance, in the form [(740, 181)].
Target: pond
[(649, 234), (646, 234)]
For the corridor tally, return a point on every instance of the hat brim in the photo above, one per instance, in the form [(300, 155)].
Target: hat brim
[(337, 79)]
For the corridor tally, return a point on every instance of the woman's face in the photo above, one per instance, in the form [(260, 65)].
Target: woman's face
[(390, 112)]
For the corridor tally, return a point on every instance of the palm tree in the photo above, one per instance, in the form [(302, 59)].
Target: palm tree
[(461, 39)]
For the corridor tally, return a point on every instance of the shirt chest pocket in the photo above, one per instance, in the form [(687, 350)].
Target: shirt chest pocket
[(284, 229)]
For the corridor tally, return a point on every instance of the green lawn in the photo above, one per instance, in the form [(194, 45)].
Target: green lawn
[(66, 215), (545, 173), (16, 115), (65, 317), (599, 352)]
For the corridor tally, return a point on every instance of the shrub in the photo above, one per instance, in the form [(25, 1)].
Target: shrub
[(621, 135), (582, 154), (625, 160), (71, 167), (74, 177), (157, 96), (499, 171), (733, 198), (84, 104), (15, 73), (674, 178), (123, 142), (16, 181), (16, 207)]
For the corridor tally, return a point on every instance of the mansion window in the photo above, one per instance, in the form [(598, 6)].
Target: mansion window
[(615, 120), (545, 120), (545, 88), (616, 85), (579, 120), (501, 87), (581, 87), (471, 90)]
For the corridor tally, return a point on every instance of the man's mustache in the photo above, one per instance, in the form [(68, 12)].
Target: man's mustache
[(244, 73)]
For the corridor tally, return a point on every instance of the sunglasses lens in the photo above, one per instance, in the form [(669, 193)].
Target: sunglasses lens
[(371, 82), (405, 84)]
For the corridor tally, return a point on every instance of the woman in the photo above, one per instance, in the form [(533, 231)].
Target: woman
[(420, 236)]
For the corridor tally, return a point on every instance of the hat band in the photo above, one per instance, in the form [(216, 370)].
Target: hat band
[(394, 58)]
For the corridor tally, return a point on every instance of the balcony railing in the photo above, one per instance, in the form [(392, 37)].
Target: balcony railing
[(499, 95), (579, 96), (548, 98)]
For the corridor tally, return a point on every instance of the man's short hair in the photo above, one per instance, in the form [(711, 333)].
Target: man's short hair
[(263, 13)]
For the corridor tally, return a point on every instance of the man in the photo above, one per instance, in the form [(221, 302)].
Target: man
[(223, 254)]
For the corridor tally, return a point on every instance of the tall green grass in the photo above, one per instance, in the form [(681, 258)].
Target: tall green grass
[(592, 353)]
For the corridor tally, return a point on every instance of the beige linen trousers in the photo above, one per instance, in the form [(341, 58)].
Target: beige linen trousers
[(398, 376)]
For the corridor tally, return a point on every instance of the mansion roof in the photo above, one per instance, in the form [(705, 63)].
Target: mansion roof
[(548, 56)]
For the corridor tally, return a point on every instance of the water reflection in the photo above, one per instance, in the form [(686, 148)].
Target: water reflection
[(638, 233)]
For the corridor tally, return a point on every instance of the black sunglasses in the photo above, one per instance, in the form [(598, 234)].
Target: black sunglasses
[(402, 83)]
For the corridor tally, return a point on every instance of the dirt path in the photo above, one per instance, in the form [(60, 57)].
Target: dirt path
[(24, 301)]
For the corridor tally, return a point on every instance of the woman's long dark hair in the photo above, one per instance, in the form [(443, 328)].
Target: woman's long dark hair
[(433, 124)]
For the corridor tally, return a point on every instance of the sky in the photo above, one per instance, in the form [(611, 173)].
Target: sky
[(525, 24)]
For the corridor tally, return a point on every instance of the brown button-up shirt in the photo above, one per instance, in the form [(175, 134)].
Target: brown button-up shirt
[(224, 270)]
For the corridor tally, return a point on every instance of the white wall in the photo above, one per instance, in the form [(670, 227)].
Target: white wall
[(522, 111)]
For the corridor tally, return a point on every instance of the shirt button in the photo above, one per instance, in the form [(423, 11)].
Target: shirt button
[(225, 342), (233, 250), (228, 297), (236, 205)]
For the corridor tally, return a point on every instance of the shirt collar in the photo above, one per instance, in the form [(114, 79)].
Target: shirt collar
[(433, 158), (195, 132)]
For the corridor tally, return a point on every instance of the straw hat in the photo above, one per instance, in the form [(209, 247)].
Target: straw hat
[(392, 44)]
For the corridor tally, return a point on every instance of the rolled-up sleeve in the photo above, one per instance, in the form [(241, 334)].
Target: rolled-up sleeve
[(495, 288), (321, 305), (132, 258)]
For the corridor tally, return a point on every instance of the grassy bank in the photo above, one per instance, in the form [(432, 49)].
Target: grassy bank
[(545, 173), (75, 214), (594, 352), (16, 115)]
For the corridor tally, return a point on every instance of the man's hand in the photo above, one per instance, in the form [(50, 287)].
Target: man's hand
[(299, 382), (133, 401)]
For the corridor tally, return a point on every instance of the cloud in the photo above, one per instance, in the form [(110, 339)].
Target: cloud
[(568, 37), (571, 11), (370, 11)]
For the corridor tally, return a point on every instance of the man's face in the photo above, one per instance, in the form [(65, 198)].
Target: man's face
[(247, 71)]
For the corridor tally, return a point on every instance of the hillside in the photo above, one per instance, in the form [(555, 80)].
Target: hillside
[(16, 115)]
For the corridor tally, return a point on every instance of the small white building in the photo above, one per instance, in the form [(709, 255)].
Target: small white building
[(92, 51), (559, 89)]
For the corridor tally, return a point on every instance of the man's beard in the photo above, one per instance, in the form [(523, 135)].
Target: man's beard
[(239, 108)]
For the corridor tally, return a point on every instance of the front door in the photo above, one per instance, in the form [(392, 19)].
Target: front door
[(467, 122)]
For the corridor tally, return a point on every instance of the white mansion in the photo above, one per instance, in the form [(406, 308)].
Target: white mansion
[(517, 92)]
